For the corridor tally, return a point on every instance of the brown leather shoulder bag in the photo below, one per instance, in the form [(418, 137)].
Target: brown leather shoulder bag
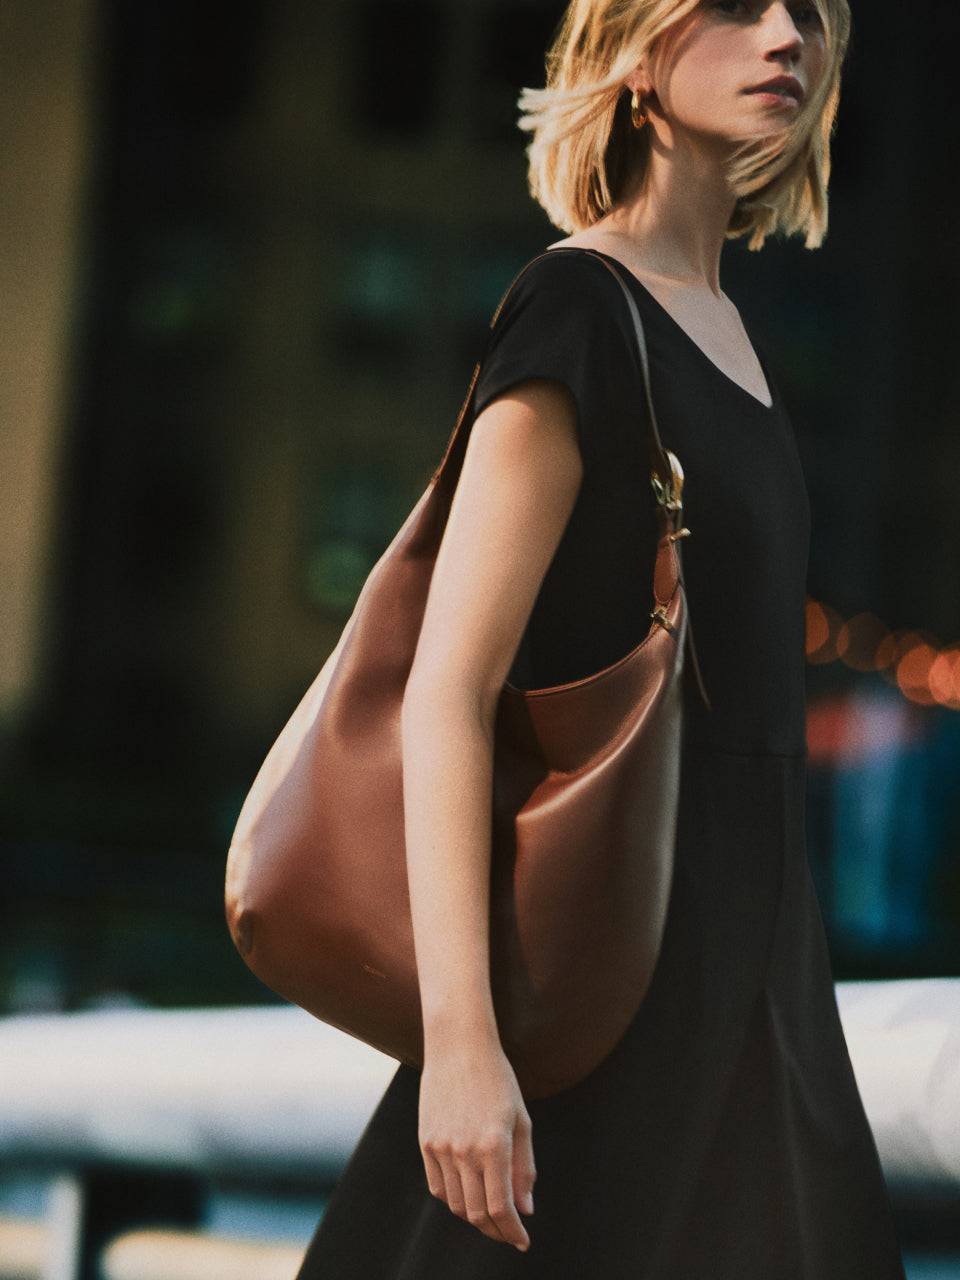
[(583, 820)]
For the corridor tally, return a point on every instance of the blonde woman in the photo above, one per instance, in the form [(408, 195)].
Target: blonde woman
[(724, 1138)]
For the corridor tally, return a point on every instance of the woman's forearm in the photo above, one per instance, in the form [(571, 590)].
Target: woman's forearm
[(520, 478), (473, 1128), (448, 754)]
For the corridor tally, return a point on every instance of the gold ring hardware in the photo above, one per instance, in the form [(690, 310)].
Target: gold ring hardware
[(660, 618), (669, 495), (681, 533)]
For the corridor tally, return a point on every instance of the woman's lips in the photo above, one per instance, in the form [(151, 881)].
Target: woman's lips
[(779, 89)]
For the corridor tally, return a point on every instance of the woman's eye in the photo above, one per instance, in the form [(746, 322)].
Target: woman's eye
[(808, 16), (804, 16)]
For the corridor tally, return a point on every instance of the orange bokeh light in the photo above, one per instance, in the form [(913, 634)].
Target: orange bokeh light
[(892, 649), (913, 673), (818, 629), (944, 679), (823, 627), (912, 661)]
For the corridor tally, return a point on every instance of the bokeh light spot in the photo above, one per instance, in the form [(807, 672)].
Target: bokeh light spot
[(944, 678), (892, 649), (914, 662), (913, 673), (823, 627)]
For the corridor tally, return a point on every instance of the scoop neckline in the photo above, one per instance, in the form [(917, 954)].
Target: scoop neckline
[(635, 280)]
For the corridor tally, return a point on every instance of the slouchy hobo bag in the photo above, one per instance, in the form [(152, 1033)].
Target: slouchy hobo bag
[(583, 820)]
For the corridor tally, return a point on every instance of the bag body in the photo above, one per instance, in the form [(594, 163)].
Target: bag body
[(583, 822)]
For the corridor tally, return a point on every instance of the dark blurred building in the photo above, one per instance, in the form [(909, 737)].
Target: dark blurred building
[(250, 252)]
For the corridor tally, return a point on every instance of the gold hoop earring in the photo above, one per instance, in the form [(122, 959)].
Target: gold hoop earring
[(638, 117)]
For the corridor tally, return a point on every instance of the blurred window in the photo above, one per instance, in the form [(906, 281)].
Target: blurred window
[(511, 58), (382, 296), (400, 45)]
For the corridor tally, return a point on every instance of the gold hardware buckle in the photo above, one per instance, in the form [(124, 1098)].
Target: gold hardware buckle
[(670, 495), (660, 618)]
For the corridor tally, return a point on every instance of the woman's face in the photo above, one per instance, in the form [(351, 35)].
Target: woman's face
[(737, 70)]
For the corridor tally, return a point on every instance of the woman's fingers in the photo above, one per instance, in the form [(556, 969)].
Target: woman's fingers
[(524, 1172), (434, 1172), (490, 1209), (497, 1187), (478, 1188)]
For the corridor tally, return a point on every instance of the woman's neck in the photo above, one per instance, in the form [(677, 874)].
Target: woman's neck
[(673, 224)]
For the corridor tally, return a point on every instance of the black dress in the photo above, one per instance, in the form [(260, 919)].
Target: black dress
[(724, 1138)]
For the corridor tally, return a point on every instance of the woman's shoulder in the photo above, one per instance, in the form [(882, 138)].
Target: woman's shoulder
[(564, 266), (563, 320), (563, 283)]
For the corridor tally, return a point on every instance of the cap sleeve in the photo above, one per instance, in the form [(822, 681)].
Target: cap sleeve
[(566, 320)]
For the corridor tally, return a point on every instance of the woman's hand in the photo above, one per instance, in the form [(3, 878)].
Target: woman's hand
[(475, 1137)]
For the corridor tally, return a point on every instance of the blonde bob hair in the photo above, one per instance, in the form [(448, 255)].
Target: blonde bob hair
[(584, 151)]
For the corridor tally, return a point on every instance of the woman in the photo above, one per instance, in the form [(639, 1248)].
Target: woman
[(724, 1136)]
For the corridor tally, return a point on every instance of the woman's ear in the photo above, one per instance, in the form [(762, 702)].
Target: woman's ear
[(639, 82)]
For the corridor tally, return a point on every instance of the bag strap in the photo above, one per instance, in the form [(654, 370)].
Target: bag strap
[(667, 478), (659, 462)]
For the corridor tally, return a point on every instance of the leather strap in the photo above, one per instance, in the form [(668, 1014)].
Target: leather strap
[(659, 462), (658, 455)]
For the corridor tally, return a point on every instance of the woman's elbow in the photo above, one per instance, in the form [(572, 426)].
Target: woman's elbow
[(437, 702)]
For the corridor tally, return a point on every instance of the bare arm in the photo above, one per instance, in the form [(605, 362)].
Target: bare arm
[(519, 482)]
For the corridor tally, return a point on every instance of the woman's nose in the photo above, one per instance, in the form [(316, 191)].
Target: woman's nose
[(781, 32)]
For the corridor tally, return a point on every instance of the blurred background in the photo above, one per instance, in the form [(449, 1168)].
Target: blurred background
[(249, 253)]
